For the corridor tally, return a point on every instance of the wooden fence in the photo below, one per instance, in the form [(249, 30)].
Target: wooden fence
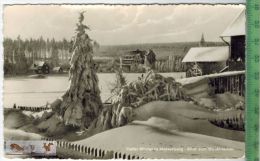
[(29, 108), (172, 64), (231, 123), (233, 83), (87, 152)]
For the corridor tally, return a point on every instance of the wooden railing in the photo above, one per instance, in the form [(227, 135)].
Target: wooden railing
[(30, 108), (88, 152), (233, 82)]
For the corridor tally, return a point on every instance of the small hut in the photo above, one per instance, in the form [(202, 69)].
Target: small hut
[(40, 67), (57, 69), (132, 59), (207, 59)]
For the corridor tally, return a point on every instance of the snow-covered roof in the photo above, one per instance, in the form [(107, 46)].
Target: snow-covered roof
[(39, 63), (207, 54), (237, 27), (56, 68)]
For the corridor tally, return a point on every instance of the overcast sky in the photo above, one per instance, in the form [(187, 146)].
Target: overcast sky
[(111, 25)]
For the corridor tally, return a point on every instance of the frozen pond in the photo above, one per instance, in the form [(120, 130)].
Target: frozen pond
[(37, 92)]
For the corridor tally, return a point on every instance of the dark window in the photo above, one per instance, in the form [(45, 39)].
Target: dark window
[(238, 48)]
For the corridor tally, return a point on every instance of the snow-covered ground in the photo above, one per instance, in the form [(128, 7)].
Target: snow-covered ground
[(27, 91), (178, 133), (15, 134), (157, 138)]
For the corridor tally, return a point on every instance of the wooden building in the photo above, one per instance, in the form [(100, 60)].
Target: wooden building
[(57, 69), (235, 33), (232, 77), (208, 59), (132, 59), (40, 67), (223, 58)]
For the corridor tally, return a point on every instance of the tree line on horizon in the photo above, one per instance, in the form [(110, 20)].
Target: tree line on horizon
[(19, 54)]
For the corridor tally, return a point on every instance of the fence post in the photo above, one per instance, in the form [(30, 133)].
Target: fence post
[(63, 144), (92, 151), (115, 155), (58, 143), (78, 148), (103, 153), (86, 150), (96, 152), (99, 153), (82, 148), (89, 152)]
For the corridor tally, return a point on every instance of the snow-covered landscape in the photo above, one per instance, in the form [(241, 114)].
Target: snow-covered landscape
[(27, 91), (168, 84)]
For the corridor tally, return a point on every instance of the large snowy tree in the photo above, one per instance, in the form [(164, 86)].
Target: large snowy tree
[(81, 103)]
